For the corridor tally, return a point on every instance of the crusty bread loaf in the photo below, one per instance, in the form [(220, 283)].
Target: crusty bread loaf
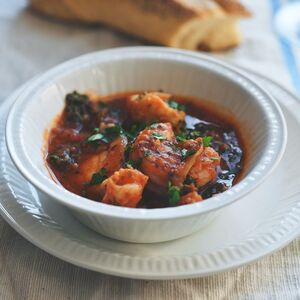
[(54, 8), (190, 24)]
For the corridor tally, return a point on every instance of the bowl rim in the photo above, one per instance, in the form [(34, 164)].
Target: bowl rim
[(275, 150)]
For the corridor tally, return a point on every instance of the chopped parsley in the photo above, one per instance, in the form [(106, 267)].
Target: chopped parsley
[(187, 134), (135, 130), (190, 180), (135, 164), (98, 177), (214, 158), (107, 136), (53, 158), (128, 148), (98, 137), (154, 125), (147, 153), (96, 130), (175, 105), (77, 107), (64, 157), (173, 194), (207, 140), (186, 153), (158, 136), (181, 137), (114, 130), (194, 134)]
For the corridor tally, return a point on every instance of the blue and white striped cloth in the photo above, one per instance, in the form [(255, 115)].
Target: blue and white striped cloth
[(290, 50)]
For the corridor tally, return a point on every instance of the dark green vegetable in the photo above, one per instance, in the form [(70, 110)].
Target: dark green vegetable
[(207, 140), (53, 158), (128, 148), (135, 130), (186, 153), (193, 134), (76, 107), (190, 180), (181, 137), (147, 153), (97, 138), (96, 130), (64, 157), (158, 136), (214, 158), (134, 163), (154, 126), (113, 131), (98, 177), (109, 134), (175, 105), (187, 134), (173, 194)]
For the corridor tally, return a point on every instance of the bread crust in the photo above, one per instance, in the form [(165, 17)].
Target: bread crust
[(54, 9), (234, 7), (177, 23)]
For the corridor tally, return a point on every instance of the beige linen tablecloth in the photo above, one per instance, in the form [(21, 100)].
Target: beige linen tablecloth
[(29, 45)]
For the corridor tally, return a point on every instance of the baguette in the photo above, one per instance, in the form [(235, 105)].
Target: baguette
[(54, 9), (190, 24)]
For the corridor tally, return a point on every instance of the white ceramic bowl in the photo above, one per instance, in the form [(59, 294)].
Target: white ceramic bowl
[(145, 68)]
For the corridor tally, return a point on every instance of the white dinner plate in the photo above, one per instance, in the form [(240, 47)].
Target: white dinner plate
[(257, 225)]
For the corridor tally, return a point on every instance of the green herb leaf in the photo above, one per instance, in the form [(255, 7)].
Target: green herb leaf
[(214, 158), (147, 153), (98, 177), (186, 153), (128, 148), (175, 105), (107, 136), (134, 163), (135, 130), (190, 180), (77, 107), (158, 136), (64, 157), (96, 130), (97, 138), (207, 140), (154, 126), (53, 158), (114, 130), (181, 137), (195, 134), (173, 194)]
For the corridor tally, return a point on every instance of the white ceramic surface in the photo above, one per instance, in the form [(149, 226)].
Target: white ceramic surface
[(263, 222), (145, 68)]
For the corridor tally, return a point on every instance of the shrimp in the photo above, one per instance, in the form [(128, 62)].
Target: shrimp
[(161, 156), (151, 107), (193, 149), (115, 156), (191, 197), (159, 160), (110, 159), (125, 188), (205, 168)]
